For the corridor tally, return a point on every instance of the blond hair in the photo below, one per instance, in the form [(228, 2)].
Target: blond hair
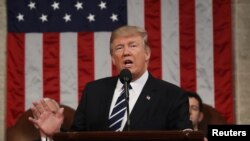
[(127, 31)]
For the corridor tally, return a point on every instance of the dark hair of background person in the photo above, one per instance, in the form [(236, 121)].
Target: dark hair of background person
[(197, 97)]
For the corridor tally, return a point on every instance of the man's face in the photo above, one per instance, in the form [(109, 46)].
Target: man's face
[(130, 53), (194, 110)]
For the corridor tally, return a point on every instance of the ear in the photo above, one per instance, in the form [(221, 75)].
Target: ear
[(113, 60), (201, 115), (147, 53)]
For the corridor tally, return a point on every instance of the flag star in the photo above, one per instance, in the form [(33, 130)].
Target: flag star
[(55, 5), (32, 5), (102, 5), (91, 17), (67, 17), (78, 5), (114, 17), (44, 18), (20, 17)]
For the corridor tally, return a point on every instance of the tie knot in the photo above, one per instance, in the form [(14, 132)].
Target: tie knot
[(129, 87)]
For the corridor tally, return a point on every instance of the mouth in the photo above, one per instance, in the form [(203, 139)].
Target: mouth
[(127, 63)]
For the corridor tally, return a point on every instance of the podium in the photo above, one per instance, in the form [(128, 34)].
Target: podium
[(130, 136)]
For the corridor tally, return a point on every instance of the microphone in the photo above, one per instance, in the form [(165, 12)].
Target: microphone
[(126, 77)]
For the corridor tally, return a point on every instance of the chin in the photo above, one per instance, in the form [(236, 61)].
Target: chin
[(129, 68)]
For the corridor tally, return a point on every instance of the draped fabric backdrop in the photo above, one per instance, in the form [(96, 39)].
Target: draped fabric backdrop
[(55, 47)]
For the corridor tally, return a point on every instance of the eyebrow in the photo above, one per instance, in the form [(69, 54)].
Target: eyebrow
[(131, 42)]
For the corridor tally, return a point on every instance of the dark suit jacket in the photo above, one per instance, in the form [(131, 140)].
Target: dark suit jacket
[(167, 108)]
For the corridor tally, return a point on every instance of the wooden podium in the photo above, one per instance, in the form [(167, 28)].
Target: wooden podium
[(130, 136)]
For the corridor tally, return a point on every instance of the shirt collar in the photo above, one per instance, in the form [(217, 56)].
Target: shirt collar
[(136, 85)]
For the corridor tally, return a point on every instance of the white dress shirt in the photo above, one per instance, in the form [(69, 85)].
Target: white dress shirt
[(134, 93), (46, 139)]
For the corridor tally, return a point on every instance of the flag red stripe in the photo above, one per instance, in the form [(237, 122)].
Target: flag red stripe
[(85, 59), (187, 44), (51, 65), (223, 58), (15, 77), (153, 26)]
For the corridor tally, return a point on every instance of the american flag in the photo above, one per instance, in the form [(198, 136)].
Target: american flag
[(54, 47)]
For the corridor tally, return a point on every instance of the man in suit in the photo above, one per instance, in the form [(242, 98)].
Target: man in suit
[(195, 109), (153, 104)]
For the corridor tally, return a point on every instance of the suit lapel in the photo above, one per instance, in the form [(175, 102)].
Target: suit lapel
[(107, 97), (143, 102)]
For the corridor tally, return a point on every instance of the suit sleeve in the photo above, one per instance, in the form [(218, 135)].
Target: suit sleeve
[(179, 119)]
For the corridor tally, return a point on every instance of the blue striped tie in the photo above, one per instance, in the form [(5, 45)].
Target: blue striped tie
[(117, 114)]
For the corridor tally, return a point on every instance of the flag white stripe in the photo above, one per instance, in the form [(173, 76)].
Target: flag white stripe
[(33, 68), (68, 69), (170, 41), (103, 65), (204, 50), (135, 8)]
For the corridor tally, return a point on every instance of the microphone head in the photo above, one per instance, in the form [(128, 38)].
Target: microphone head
[(125, 76)]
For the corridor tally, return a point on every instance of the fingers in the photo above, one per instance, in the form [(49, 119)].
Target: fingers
[(44, 105), (35, 113), (38, 107), (60, 112), (34, 121)]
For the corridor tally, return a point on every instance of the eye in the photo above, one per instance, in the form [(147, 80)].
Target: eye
[(118, 47), (194, 108), (133, 45)]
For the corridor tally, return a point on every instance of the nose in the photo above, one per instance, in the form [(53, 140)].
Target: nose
[(190, 111), (126, 51)]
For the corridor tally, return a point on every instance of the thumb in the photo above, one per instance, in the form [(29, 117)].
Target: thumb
[(60, 112), (31, 119)]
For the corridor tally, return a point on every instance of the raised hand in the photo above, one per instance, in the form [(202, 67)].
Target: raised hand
[(48, 121)]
